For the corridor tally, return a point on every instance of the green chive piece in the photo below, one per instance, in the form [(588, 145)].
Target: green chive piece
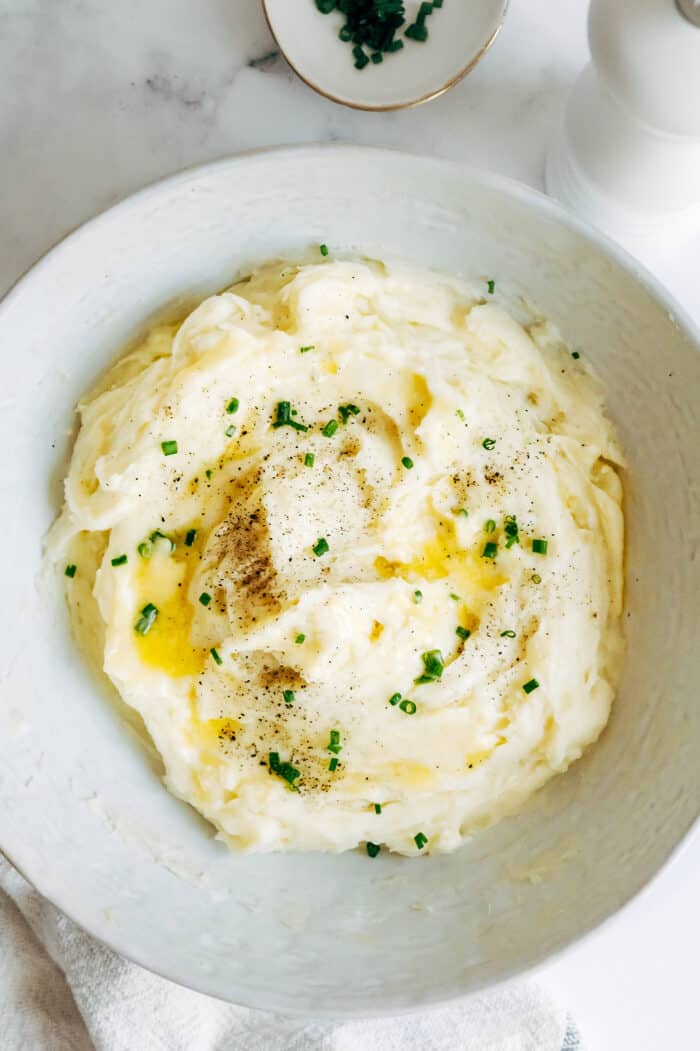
[(508, 634), (531, 685), (334, 744), (205, 598), (377, 57), (433, 666), (158, 535), (323, 249), (575, 354), (120, 560), (309, 460), (394, 699), (305, 350), (373, 849), (145, 549), (147, 619), (333, 764), (420, 840), (330, 429), (488, 443), (462, 511), (489, 526), (461, 415), (169, 448), (216, 656), (208, 472), (190, 537), (233, 405), (539, 547), (417, 597), (455, 598), (320, 547), (284, 417), (377, 808), (417, 32), (230, 431), (510, 528), (409, 707), (463, 633), (361, 61), (407, 462), (286, 771), (346, 411), (70, 570), (490, 550), (299, 639), (288, 696), (325, 6), (536, 578), (491, 285)]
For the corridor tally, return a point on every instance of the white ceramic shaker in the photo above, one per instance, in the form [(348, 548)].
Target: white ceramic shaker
[(627, 158)]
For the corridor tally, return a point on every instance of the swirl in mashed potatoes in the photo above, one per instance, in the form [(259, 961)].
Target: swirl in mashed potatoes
[(350, 540)]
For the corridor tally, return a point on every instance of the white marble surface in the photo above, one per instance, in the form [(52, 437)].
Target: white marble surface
[(98, 98)]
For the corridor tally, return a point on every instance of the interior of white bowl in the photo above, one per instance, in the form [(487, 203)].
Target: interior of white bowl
[(83, 813)]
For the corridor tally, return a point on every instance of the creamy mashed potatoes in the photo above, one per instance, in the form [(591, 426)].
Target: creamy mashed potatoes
[(350, 540)]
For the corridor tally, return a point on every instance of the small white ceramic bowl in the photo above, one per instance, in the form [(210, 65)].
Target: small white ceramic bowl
[(82, 810), (460, 33)]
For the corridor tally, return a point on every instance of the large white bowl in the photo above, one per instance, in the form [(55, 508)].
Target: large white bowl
[(82, 811)]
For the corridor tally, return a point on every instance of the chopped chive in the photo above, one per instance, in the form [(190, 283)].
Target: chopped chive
[(334, 744), (216, 656), (409, 707), (377, 808), (394, 699), (286, 771), (345, 411), (460, 413), (288, 696), (490, 550), (395, 45), (320, 547), (325, 6), (205, 598), (147, 619), (361, 61), (300, 638), (530, 685), (455, 598), (488, 443), (377, 57), (417, 597), (323, 249), (491, 285), (333, 764), (575, 354), (230, 431), (233, 405), (508, 634), (284, 417), (462, 511), (418, 32), (305, 350), (190, 537), (489, 526), (424, 10), (420, 840), (373, 849), (169, 448), (536, 578), (330, 429), (208, 472), (120, 560), (433, 667), (70, 570), (539, 547), (463, 633), (145, 549), (407, 462), (309, 460), (158, 535), (510, 528)]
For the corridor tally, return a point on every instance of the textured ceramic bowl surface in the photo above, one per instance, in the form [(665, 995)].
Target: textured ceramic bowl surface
[(460, 34), (82, 810)]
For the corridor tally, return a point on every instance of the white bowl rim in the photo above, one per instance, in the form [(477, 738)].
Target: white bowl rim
[(545, 206)]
